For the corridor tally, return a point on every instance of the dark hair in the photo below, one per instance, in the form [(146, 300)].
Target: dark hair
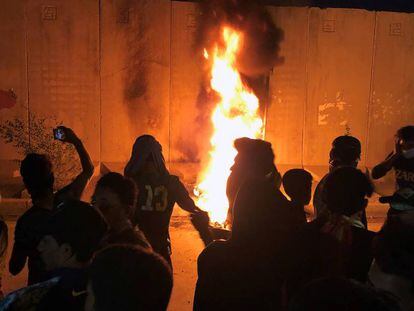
[(130, 278), (36, 171), (123, 187), (345, 149), (340, 294), (296, 183), (406, 133), (345, 191), (256, 153), (394, 248), (145, 147), (78, 224)]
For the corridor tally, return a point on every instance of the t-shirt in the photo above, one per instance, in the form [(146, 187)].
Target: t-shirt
[(154, 207), (28, 233), (69, 293), (27, 236), (404, 172)]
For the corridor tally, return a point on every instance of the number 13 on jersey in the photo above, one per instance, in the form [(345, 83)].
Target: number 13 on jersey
[(157, 199)]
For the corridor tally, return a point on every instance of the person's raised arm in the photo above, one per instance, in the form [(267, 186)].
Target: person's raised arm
[(74, 189), (384, 167)]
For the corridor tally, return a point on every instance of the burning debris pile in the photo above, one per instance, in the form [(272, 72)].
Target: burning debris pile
[(240, 42)]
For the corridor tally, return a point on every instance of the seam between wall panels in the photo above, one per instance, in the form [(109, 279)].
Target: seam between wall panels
[(100, 80), (370, 98), (170, 88), (305, 104)]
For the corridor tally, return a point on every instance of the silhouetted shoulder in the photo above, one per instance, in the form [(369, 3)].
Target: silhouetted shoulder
[(32, 216), (213, 255)]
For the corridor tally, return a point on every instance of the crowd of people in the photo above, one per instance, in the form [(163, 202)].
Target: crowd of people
[(114, 253)]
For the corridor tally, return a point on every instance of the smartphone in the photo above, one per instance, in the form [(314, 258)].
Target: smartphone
[(59, 134)]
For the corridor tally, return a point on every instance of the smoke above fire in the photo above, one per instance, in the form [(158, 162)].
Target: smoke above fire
[(261, 44)]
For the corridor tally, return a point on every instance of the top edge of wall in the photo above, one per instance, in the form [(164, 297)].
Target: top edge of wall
[(409, 8)]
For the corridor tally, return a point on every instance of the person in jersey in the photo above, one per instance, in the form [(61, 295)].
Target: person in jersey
[(402, 161), (115, 196), (158, 191), (38, 178)]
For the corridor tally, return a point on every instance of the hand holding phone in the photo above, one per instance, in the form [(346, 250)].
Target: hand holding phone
[(59, 134), (65, 134)]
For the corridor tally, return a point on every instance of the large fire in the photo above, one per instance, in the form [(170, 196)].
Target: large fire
[(236, 115)]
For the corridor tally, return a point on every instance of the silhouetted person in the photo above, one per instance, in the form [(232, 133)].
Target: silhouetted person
[(393, 267), (37, 173), (297, 184), (115, 196), (341, 294), (158, 191), (246, 272), (71, 236), (128, 278), (402, 161), (336, 243), (4, 241), (254, 159), (345, 152)]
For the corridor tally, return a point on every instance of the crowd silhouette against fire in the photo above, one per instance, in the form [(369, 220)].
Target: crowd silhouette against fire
[(114, 252)]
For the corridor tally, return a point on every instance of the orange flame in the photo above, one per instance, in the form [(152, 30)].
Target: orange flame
[(235, 116)]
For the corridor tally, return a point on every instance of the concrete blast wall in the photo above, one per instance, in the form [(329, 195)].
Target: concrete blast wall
[(114, 70)]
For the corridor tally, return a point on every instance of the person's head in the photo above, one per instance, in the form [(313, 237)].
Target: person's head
[(115, 196), (393, 267), (346, 191), (298, 185), (37, 173), (346, 151), (405, 140), (340, 294), (128, 278), (72, 235), (254, 156), (258, 210), (146, 158), (254, 159)]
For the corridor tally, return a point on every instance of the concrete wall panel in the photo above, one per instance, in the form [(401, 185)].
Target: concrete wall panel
[(284, 124), (13, 69), (63, 66), (339, 74), (135, 77), (393, 82), (186, 79)]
